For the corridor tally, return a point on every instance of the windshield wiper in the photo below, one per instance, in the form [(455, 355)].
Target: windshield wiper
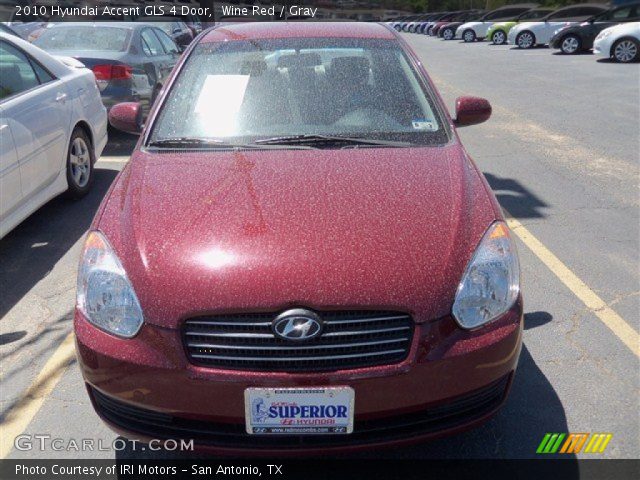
[(330, 140), (197, 142)]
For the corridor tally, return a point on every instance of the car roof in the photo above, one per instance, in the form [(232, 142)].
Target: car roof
[(266, 30)]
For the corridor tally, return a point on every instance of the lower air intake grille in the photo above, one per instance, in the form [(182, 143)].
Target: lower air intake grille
[(350, 339)]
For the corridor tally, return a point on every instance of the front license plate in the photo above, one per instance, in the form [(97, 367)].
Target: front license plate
[(299, 411)]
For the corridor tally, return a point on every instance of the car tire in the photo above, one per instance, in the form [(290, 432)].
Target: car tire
[(570, 44), (80, 160), (499, 37), (526, 40), (448, 34), (626, 50), (469, 36)]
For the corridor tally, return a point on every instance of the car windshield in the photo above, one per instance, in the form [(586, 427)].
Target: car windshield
[(246, 91), (83, 38)]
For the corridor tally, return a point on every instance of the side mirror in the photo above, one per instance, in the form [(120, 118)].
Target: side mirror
[(126, 117), (471, 110)]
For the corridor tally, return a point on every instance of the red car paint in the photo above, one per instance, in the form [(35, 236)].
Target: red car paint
[(269, 230)]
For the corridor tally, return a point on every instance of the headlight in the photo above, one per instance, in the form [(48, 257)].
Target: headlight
[(603, 34), (105, 295), (491, 283)]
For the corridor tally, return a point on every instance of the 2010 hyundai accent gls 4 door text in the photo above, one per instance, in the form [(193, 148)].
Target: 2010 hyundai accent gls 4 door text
[(300, 256)]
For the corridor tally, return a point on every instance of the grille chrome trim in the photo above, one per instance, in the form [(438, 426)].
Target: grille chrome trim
[(294, 347), (351, 339), (295, 359)]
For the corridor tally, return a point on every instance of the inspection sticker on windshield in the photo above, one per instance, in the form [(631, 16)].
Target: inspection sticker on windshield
[(423, 125), (299, 411)]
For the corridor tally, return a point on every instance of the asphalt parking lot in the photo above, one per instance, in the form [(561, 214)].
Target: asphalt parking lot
[(561, 152)]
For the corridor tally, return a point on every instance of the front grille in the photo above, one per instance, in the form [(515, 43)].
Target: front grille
[(350, 339), (452, 414)]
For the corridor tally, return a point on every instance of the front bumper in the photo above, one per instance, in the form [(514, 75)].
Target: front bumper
[(452, 379)]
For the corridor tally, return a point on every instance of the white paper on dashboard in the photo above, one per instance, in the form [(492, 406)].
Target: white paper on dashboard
[(219, 102)]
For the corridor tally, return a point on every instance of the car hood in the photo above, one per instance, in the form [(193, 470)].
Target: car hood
[(525, 26), (202, 233), (501, 24), (471, 24)]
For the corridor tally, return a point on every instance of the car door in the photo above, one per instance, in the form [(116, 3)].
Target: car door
[(34, 107), (10, 186)]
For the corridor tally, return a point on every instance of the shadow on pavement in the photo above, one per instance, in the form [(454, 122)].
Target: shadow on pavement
[(516, 198), (536, 319), (30, 251), (7, 338)]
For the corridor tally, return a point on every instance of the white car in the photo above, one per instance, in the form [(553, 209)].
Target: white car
[(53, 127), (620, 42), (477, 30), (529, 34)]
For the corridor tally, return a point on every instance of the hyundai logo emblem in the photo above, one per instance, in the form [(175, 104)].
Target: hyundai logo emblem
[(297, 325)]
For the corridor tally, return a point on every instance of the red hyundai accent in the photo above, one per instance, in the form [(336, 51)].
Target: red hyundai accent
[(300, 256)]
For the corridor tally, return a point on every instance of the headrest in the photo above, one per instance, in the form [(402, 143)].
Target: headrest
[(254, 68), (355, 67), (300, 60)]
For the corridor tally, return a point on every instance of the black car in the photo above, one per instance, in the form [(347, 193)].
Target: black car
[(579, 38)]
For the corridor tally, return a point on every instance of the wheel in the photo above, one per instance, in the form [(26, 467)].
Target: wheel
[(469, 36), (570, 44), (525, 39), (448, 34), (626, 50), (498, 37), (80, 160)]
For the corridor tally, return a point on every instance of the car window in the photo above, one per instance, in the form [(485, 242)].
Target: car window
[(41, 73), (245, 91), (622, 13), (16, 72), (168, 44), (151, 44), (84, 38), (505, 14), (577, 13)]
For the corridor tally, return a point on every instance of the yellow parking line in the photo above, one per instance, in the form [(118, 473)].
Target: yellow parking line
[(593, 302), (21, 414)]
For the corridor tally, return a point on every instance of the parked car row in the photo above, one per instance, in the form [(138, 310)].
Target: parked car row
[(610, 32)]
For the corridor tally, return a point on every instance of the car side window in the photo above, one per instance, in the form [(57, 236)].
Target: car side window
[(621, 14), (168, 44), (42, 74), (16, 73), (150, 43), (569, 13)]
